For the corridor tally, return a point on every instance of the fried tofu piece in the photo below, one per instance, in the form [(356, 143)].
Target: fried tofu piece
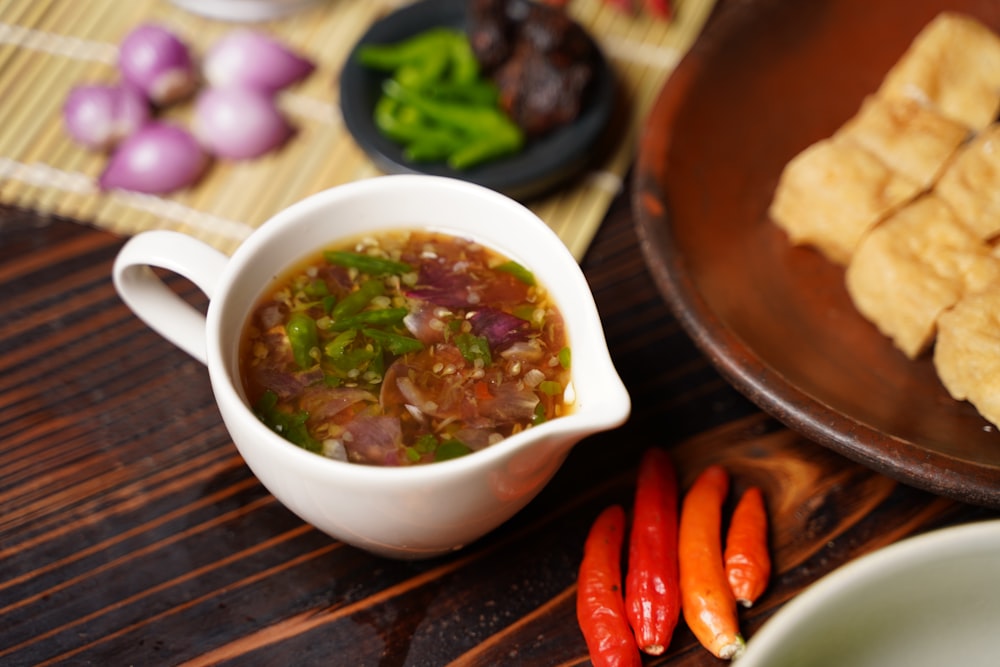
[(967, 351), (912, 140), (834, 191), (953, 67), (913, 267), (971, 183)]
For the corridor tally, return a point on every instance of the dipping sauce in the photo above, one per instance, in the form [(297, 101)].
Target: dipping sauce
[(405, 348)]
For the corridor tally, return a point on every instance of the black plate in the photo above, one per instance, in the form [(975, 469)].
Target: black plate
[(543, 164)]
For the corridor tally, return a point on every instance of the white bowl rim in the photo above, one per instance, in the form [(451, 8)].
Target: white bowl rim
[(809, 605)]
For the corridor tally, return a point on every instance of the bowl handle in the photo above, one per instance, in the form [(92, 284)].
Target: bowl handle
[(156, 304)]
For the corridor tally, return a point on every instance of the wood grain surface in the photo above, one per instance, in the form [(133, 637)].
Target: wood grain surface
[(133, 534)]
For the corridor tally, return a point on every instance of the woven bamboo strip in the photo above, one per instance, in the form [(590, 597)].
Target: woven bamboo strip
[(40, 141), (22, 15), (48, 46)]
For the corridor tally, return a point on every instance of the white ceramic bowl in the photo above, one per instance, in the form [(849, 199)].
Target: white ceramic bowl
[(244, 10), (927, 601), (401, 512)]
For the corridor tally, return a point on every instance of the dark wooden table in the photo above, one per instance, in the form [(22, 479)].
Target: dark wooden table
[(133, 534)]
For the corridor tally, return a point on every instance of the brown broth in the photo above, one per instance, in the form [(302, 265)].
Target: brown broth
[(404, 348)]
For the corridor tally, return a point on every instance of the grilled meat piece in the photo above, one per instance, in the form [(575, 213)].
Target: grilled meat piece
[(542, 61), (540, 93), (491, 32)]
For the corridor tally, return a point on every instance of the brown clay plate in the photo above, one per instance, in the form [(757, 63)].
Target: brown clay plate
[(766, 79)]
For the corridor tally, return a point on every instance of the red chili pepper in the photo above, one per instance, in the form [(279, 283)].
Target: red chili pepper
[(652, 590), (482, 391), (748, 563), (707, 602), (661, 9), (600, 607)]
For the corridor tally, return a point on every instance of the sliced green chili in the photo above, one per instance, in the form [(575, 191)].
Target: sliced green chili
[(355, 358), (518, 271), (451, 449), (376, 366), (423, 71), (394, 343), (303, 336), (539, 415), (436, 103), (488, 131), (435, 147), (335, 348), (374, 266), (463, 64), (476, 121), (390, 57), (344, 355), (478, 93), (426, 443), (525, 312), (289, 425), (405, 125), (473, 347), (391, 119), (500, 142), (317, 289), (358, 299), (550, 388), (380, 317), (565, 357)]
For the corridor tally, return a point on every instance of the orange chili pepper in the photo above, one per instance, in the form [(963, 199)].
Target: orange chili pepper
[(600, 607), (707, 602), (748, 563), (652, 591)]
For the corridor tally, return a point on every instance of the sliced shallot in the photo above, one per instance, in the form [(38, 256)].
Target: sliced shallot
[(158, 158), (246, 58), (499, 327)]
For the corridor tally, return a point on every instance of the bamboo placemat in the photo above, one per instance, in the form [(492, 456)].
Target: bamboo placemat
[(48, 46)]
